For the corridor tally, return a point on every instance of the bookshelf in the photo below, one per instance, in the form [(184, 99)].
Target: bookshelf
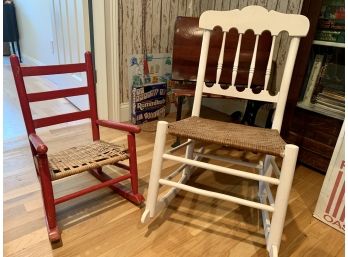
[(316, 104)]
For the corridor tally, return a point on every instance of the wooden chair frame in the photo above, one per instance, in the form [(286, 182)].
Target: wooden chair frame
[(39, 149), (258, 19)]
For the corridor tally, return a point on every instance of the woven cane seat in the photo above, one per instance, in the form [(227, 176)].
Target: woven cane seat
[(81, 158), (242, 137)]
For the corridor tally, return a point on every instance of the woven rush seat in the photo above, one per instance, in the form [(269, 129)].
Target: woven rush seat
[(81, 158), (241, 137)]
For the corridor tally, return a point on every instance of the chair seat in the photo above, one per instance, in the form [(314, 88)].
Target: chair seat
[(82, 158), (242, 137)]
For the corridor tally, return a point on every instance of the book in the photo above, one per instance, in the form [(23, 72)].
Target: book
[(329, 104), (313, 78), (328, 108)]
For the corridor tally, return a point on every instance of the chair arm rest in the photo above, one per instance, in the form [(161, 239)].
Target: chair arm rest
[(119, 125), (38, 144)]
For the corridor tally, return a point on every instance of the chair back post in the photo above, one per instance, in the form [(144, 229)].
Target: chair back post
[(201, 73), (22, 93), (285, 83), (91, 95)]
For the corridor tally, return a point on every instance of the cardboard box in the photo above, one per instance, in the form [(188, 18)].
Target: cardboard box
[(330, 207)]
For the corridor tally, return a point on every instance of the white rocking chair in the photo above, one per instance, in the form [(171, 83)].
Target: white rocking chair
[(266, 141)]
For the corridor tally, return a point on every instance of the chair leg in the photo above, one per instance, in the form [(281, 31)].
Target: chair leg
[(282, 197), (48, 199), (189, 155), (156, 167), (178, 117), (133, 167)]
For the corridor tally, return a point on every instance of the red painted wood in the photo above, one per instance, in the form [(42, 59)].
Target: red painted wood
[(48, 121), (91, 189), (53, 69), (120, 126), (22, 94), (38, 144), (118, 188), (121, 165), (47, 191), (133, 169), (39, 149), (49, 95), (91, 95)]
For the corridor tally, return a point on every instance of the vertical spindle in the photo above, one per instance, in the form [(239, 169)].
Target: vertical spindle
[(253, 61), (236, 61)]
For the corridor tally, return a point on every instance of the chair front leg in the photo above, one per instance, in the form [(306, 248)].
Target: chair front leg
[(133, 166), (48, 198), (156, 168), (282, 197)]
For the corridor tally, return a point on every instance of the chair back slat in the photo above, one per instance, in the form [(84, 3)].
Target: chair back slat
[(53, 69), (55, 94), (25, 98), (53, 120), (253, 60), (269, 63), (221, 59), (259, 20)]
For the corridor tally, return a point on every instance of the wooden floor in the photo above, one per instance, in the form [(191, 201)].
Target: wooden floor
[(103, 224)]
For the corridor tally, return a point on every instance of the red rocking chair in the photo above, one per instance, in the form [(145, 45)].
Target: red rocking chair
[(75, 160)]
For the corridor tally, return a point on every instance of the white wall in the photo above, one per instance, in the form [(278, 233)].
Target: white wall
[(35, 31)]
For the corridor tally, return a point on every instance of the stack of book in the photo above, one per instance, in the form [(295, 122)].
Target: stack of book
[(331, 100), (325, 86)]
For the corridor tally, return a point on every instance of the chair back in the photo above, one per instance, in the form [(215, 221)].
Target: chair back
[(188, 36), (26, 98), (257, 19)]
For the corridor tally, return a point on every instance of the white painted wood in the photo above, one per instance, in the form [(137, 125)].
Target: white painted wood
[(275, 168), (179, 146), (217, 195), (217, 168), (282, 196), (175, 172), (236, 61), (156, 166), (113, 61), (201, 72), (253, 60), (221, 59), (278, 205), (100, 58), (246, 94), (285, 83), (228, 160), (262, 20)]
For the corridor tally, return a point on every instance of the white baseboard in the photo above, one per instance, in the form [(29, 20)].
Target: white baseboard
[(125, 112)]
